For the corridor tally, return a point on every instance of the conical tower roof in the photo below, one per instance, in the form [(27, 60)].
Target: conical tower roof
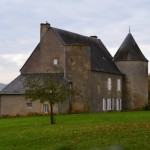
[(129, 51)]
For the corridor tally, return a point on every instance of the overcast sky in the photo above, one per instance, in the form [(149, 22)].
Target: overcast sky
[(108, 19)]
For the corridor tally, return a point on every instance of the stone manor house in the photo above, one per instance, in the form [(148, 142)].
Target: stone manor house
[(108, 83)]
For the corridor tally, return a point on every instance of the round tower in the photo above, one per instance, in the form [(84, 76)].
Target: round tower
[(133, 64)]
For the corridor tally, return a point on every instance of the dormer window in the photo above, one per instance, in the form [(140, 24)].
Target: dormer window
[(55, 61)]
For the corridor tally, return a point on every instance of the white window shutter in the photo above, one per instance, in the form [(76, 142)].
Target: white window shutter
[(120, 104), (104, 104), (117, 104), (113, 105)]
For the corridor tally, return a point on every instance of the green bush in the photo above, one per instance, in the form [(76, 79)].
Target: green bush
[(146, 107)]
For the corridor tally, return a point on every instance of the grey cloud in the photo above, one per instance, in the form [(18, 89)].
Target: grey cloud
[(109, 20)]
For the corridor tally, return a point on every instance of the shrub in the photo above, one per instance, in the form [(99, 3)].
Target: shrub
[(146, 107)]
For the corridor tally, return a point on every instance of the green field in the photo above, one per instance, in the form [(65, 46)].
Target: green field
[(104, 131)]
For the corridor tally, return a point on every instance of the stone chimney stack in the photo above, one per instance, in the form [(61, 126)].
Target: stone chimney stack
[(44, 29), (93, 36)]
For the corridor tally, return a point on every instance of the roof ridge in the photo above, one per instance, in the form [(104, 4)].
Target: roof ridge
[(101, 59), (74, 33)]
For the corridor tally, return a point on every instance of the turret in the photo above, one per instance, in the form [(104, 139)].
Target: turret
[(133, 64)]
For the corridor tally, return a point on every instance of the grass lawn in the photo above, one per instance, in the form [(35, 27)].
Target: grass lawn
[(104, 131)]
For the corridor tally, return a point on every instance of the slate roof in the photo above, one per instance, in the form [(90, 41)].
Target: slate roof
[(101, 60), (129, 51), (17, 85)]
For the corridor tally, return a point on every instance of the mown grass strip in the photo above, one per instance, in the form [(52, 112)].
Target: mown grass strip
[(129, 130)]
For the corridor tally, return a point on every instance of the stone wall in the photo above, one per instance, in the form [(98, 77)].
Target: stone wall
[(77, 69), (93, 84), (99, 90), (41, 60), (16, 105), (135, 83)]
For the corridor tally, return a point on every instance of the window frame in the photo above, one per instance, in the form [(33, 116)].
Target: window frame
[(118, 104), (55, 61), (29, 105), (113, 104), (45, 108), (104, 105), (108, 104), (119, 85), (109, 84)]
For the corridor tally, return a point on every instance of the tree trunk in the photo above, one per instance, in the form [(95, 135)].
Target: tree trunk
[(51, 114)]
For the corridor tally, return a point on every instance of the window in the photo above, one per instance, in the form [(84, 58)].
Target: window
[(109, 84), (118, 85), (113, 106), (55, 61), (29, 105), (109, 104), (45, 108), (104, 104), (118, 104)]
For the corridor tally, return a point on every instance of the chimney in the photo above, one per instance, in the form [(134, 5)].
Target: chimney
[(93, 36), (44, 29)]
